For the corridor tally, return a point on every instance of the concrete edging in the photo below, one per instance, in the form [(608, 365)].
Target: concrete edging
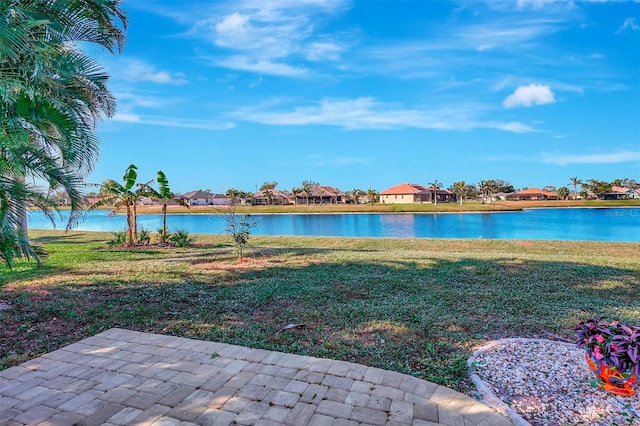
[(490, 398)]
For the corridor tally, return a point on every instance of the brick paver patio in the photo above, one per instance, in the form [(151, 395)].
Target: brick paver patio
[(122, 377)]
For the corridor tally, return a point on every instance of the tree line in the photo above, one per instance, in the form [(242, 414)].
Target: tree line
[(484, 190)]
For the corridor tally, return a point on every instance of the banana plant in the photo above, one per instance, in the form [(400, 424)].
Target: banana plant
[(118, 195), (165, 196)]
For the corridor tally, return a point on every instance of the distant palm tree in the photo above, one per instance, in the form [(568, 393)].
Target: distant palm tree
[(435, 186), (486, 188), (119, 195), (307, 192), (373, 195), (575, 182), (295, 191), (459, 188), (268, 194), (165, 196)]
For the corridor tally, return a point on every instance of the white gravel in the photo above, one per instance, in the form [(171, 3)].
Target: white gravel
[(547, 383)]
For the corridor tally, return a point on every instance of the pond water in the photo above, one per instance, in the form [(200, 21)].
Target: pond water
[(588, 224)]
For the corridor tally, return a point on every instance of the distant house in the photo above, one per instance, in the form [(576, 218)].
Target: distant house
[(272, 197), (406, 193), (621, 193), (148, 201), (502, 196), (322, 194), (92, 200), (533, 194), (204, 198)]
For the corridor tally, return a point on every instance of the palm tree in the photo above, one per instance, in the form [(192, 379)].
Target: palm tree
[(373, 195), (268, 194), (459, 188), (53, 93), (165, 196), (486, 188), (575, 182), (123, 195), (295, 191), (306, 189), (356, 194), (13, 241), (435, 186)]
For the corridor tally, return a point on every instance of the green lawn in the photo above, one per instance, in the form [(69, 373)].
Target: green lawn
[(416, 306)]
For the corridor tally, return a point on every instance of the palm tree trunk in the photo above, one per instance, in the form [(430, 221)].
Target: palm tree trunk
[(163, 239), (135, 222), (21, 210), (129, 227)]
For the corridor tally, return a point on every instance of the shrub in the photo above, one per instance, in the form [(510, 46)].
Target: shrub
[(181, 238), (144, 236), (119, 238)]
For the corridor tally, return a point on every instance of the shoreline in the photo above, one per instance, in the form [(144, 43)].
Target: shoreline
[(422, 208)]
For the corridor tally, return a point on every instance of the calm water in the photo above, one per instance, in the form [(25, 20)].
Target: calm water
[(594, 224)]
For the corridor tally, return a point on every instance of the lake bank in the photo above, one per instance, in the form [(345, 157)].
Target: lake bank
[(471, 206)]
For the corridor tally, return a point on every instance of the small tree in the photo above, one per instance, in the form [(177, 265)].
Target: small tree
[(563, 192), (238, 227)]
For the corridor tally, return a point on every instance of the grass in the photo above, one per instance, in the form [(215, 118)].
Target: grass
[(416, 306)]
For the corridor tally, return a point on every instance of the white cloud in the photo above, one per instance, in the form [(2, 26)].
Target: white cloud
[(244, 63), (137, 70), (318, 51), (154, 120), (537, 4), (369, 113), (517, 127), (126, 117), (126, 96), (266, 33), (533, 94), (615, 157), (628, 24)]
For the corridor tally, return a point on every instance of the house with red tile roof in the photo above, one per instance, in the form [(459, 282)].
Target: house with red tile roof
[(533, 194), (407, 193)]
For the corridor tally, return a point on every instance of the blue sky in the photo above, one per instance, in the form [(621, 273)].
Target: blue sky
[(360, 94)]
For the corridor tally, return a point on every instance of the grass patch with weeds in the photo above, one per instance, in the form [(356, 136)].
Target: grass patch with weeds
[(417, 306)]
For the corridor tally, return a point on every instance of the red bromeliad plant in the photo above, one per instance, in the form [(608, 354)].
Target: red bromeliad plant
[(614, 343)]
